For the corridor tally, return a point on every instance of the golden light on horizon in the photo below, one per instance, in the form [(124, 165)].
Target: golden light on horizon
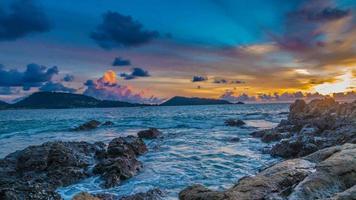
[(345, 82)]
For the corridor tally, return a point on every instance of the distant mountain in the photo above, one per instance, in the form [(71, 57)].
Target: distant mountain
[(183, 101), (65, 100), (3, 105)]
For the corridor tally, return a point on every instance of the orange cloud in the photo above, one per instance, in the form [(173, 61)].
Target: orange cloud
[(110, 77)]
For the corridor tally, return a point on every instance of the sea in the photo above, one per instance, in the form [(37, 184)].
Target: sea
[(196, 146)]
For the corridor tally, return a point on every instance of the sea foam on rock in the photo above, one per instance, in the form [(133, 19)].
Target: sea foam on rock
[(37, 171)]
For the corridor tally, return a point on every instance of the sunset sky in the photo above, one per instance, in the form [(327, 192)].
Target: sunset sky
[(150, 50)]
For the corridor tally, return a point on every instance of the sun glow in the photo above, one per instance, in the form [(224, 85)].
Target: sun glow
[(343, 85)]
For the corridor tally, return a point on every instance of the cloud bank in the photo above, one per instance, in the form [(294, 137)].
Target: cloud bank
[(107, 88), (34, 76)]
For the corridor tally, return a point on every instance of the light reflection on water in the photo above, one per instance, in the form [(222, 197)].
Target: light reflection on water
[(196, 147)]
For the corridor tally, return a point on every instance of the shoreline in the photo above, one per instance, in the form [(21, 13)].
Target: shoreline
[(103, 159)]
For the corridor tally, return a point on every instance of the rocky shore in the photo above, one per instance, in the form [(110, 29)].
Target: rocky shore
[(37, 171), (319, 139)]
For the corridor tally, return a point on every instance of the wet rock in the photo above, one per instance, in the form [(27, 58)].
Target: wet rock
[(151, 133), (129, 146), (120, 163), (90, 125), (115, 170), (108, 123), (199, 192), (37, 171), (234, 122), (85, 196), (154, 194)]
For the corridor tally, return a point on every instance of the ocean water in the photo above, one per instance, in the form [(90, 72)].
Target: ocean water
[(195, 147)]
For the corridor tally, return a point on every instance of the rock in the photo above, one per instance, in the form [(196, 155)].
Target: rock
[(199, 192), (154, 194), (120, 163), (234, 122), (151, 133), (90, 125), (108, 123), (37, 171), (129, 146), (349, 194), (234, 139), (308, 130), (85, 196), (272, 136), (114, 170)]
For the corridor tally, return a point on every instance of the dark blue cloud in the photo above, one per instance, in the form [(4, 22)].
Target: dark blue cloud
[(22, 18), (34, 76), (68, 78), (118, 30), (121, 62), (199, 78), (136, 72), (56, 87), (8, 91)]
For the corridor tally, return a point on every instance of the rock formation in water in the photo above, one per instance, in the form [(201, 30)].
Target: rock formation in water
[(37, 171), (321, 137), (234, 122), (151, 133), (153, 194)]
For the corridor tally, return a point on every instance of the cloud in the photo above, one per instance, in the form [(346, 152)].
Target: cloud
[(56, 87), (109, 89), (199, 78), (121, 62), (224, 81), (303, 25), (34, 76), (117, 31), (136, 72), (21, 19), (68, 78)]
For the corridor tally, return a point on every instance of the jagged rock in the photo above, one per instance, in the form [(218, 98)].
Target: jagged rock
[(234, 122), (151, 133), (120, 163), (129, 146), (114, 170), (37, 171), (90, 125)]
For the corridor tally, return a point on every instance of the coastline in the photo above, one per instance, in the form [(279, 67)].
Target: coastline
[(101, 157)]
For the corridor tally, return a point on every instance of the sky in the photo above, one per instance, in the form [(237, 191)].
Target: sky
[(147, 51)]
